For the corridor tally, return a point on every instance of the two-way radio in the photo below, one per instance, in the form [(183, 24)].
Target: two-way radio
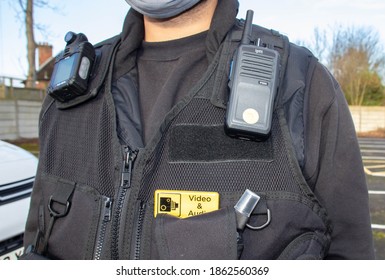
[(253, 86)]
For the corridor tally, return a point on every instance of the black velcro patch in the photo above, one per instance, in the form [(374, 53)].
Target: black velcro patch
[(197, 143)]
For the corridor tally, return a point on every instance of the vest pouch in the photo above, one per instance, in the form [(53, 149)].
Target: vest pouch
[(72, 235), (206, 236), (297, 229), (305, 247)]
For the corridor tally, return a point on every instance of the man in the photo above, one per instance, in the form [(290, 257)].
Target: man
[(113, 166)]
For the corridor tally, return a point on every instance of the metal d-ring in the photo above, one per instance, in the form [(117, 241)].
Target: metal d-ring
[(54, 213), (262, 226)]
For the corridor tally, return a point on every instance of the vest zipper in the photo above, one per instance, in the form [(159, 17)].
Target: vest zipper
[(124, 190), (105, 218), (138, 232)]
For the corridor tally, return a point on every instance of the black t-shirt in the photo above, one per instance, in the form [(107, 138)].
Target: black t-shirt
[(167, 71)]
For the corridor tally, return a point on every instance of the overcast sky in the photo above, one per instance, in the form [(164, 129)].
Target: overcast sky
[(100, 19)]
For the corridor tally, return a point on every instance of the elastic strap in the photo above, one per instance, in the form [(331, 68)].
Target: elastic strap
[(58, 206)]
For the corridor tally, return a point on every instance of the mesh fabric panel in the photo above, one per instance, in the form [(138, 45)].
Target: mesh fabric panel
[(81, 150), (224, 176)]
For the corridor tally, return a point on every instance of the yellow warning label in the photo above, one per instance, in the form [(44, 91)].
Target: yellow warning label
[(185, 204)]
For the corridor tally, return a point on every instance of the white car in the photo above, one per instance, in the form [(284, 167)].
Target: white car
[(17, 174)]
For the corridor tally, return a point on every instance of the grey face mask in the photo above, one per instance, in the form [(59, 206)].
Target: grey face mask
[(161, 8)]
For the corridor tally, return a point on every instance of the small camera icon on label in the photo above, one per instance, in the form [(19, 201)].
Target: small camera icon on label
[(167, 204)]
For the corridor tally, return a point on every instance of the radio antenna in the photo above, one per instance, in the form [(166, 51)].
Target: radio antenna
[(246, 35)]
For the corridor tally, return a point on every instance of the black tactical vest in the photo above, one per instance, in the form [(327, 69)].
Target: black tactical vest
[(94, 197)]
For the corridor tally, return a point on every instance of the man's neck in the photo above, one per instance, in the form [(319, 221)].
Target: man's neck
[(193, 21)]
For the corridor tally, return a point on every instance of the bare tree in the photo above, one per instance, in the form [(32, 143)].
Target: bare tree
[(351, 69), (25, 13), (31, 44), (355, 58), (319, 45)]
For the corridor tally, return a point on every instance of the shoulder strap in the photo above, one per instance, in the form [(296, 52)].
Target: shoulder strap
[(297, 66), (296, 84), (274, 40), (105, 52)]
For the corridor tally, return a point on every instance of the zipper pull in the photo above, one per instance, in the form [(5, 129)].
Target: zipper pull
[(128, 160), (107, 209), (105, 218)]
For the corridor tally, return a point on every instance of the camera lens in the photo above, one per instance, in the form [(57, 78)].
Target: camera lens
[(70, 37)]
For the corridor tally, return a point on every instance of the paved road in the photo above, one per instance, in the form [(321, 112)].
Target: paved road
[(373, 155)]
